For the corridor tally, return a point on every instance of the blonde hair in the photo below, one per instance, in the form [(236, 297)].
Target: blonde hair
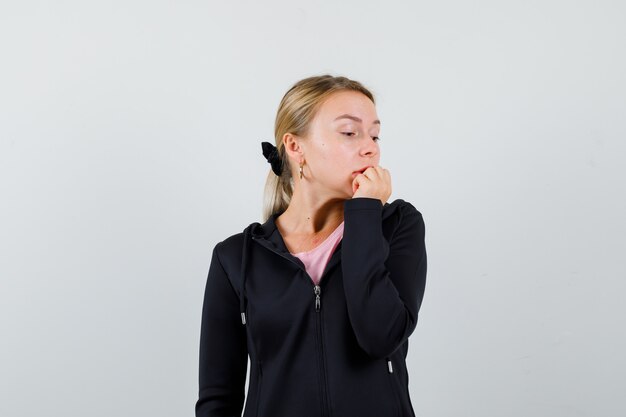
[(295, 112)]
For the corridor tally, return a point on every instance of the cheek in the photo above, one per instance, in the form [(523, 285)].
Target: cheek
[(329, 158), (333, 160), (336, 172)]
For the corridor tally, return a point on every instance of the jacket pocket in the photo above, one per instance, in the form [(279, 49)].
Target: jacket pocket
[(391, 377)]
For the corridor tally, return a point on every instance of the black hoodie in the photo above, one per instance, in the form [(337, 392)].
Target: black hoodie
[(337, 349)]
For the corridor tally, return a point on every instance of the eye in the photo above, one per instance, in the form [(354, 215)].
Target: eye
[(376, 138)]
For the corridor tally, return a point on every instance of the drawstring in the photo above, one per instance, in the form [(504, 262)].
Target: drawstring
[(243, 300), (242, 292)]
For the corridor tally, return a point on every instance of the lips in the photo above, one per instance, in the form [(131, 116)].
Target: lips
[(361, 170)]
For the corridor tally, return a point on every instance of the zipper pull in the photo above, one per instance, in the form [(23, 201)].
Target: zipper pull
[(317, 289), (389, 366)]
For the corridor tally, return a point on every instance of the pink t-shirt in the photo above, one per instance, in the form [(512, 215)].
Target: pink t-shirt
[(316, 259)]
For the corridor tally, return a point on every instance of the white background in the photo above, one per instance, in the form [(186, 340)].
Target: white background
[(130, 144)]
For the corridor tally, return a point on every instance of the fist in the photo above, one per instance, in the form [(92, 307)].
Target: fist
[(374, 182)]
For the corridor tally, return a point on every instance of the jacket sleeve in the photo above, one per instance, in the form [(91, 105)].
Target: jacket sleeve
[(223, 349), (383, 281)]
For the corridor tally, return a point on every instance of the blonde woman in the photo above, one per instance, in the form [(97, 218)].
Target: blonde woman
[(324, 294)]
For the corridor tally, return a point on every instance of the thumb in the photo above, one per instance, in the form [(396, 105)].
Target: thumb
[(355, 184)]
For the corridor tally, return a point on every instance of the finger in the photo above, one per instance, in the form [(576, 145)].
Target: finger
[(361, 178), (358, 181), (372, 172)]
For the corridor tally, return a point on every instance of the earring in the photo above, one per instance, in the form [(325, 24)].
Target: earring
[(301, 163)]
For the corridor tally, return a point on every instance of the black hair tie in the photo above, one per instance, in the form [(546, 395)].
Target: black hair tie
[(270, 152)]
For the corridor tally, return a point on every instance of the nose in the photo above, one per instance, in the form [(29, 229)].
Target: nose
[(370, 148)]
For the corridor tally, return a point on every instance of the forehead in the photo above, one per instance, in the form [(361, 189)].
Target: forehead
[(347, 102)]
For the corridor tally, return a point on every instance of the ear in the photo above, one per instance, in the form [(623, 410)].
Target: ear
[(293, 146)]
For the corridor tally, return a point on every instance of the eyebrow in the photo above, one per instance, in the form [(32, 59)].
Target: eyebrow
[(356, 119)]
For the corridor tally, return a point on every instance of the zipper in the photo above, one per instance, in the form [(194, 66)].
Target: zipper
[(317, 291), (322, 365), (318, 301)]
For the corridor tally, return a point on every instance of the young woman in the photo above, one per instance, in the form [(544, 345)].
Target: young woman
[(324, 294)]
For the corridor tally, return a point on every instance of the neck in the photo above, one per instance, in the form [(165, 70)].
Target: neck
[(310, 213)]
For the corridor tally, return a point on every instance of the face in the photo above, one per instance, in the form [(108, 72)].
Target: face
[(343, 138)]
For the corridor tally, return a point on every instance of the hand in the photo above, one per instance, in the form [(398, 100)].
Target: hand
[(374, 182)]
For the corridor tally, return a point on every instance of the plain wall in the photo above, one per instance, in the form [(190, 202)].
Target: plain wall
[(130, 144)]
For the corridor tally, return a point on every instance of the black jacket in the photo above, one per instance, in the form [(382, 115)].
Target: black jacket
[(337, 349)]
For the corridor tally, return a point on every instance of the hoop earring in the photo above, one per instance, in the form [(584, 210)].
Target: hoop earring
[(301, 170)]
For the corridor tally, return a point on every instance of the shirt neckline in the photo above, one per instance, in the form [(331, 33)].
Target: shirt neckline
[(324, 242)]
